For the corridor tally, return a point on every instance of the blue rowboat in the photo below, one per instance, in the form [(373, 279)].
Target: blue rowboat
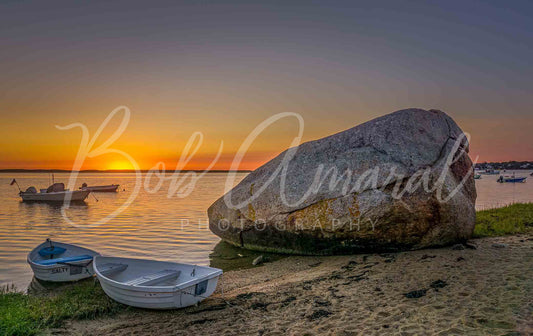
[(61, 262)]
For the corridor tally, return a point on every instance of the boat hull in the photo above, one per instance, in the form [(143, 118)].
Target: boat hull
[(62, 273), (513, 180), (55, 197), (73, 271), (158, 300), (109, 188), (159, 297)]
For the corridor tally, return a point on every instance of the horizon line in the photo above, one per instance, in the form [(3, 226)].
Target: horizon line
[(38, 170), (57, 170)]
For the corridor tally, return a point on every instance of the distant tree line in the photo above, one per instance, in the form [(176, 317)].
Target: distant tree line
[(505, 165)]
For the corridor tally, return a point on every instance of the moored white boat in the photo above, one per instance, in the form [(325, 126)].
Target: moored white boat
[(60, 262), (155, 284), (54, 193), (73, 196)]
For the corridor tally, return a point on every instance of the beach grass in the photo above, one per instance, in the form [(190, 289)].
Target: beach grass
[(22, 314), (512, 219)]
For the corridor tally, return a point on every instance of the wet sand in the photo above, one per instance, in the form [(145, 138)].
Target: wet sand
[(482, 291)]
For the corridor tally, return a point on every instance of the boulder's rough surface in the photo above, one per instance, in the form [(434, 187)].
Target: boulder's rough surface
[(402, 181)]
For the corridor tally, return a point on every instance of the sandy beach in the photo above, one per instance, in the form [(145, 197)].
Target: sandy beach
[(484, 289)]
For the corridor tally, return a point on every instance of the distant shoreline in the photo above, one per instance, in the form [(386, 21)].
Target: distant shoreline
[(111, 171), (16, 170), (509, 165)]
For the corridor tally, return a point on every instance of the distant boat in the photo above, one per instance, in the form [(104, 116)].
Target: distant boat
[(490, 172), (155, 284), (55, 193), (103, 188), (60, 262), (511, 179), (477, 176)]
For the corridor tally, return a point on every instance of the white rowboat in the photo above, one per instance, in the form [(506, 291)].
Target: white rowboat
[(60, 262), (155, 284)]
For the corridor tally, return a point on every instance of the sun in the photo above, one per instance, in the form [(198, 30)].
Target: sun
[(119, 165)]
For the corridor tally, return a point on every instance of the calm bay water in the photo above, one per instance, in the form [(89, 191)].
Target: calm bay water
[(153, 226), (491, 194)]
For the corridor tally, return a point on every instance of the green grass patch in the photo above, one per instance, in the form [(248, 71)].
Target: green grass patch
[(22, 314), (515, 218)]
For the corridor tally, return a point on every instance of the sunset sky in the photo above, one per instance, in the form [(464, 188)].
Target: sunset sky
[(223, 67)]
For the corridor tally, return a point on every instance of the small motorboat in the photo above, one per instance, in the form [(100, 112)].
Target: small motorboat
[(103, 188), (511, 179), (60, 262), (55, 193), (155, 284)]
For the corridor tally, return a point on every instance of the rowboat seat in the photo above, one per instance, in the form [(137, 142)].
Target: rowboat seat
[(51, 250), (111, 268), (152, 279), (64, 260)]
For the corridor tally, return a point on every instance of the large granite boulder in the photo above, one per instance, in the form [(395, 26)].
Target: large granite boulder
[(402, 181)]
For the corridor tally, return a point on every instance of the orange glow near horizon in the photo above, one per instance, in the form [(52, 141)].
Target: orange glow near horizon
[(119, 165), (149, 140), (36, 155), (200, 161), (250, 162)]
